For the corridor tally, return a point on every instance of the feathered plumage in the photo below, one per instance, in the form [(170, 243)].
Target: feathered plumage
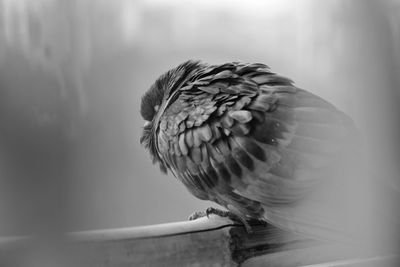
[(248, 139)]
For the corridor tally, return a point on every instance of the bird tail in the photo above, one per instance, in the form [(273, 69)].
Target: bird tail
[(358, 212)]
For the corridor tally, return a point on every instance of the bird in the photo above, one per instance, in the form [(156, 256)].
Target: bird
[(244, 137)]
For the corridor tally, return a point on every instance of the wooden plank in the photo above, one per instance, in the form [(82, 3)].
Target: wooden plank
[(194, 243), (204, 242)]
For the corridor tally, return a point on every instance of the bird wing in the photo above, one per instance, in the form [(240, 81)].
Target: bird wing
[(249, 140)]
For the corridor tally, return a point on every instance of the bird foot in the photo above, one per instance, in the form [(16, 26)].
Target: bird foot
[(196, 215), (222, 213)]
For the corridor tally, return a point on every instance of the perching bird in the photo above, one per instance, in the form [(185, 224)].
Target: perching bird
[(248, 139)]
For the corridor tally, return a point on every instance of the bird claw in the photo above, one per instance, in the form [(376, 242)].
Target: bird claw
[(196, 215), (222, 213)]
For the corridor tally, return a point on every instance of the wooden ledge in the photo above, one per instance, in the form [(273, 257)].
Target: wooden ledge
[(213, 241)]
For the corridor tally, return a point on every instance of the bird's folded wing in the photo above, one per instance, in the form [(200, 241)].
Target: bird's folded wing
[(249, 140)]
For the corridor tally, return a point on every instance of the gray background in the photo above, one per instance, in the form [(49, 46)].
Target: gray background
[(72, 75)]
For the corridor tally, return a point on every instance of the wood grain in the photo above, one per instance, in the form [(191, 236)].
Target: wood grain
[(213, 241)]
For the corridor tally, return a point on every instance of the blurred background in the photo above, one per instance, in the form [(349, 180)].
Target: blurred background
[(72, 74)]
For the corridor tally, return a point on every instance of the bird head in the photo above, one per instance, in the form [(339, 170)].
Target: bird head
[(156, 100)]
